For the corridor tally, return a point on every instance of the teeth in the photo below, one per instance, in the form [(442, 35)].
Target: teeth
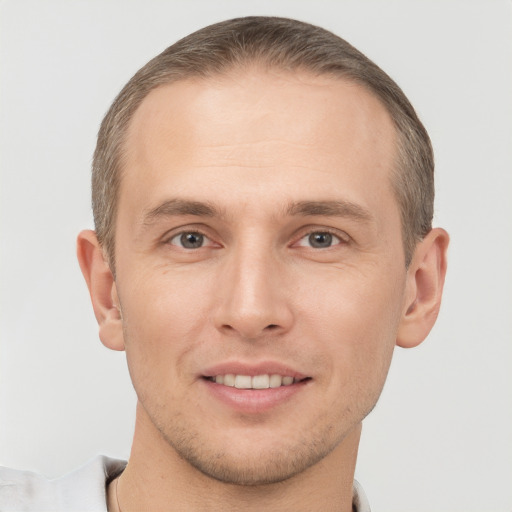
[(229, 380), (243, 382), (260, 382), (257, 382), (287, 381), (275, 381)]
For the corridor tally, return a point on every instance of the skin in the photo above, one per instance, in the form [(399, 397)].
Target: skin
[(276, 157)]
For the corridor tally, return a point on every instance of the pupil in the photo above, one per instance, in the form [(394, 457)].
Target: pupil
[(191, 240), (320, 240)]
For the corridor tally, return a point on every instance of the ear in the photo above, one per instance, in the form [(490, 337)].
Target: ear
[(102, 288), (424, 288)]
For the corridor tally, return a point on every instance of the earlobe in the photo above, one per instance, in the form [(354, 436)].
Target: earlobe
[(102, 289), (424, 288)]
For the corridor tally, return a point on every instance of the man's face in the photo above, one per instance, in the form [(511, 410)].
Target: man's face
[(258, 242)]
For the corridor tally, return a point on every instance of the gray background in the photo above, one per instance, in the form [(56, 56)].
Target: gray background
[(439, 439)]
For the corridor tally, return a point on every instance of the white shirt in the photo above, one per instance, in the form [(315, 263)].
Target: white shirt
[(83, 490)]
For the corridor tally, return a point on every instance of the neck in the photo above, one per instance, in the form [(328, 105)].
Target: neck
[(157, 478)]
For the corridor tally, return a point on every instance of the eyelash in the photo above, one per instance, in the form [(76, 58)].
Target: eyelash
[(341, 240), (188, 232)]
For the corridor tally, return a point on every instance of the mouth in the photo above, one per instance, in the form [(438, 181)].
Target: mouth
[(254, 388), (263, 381)]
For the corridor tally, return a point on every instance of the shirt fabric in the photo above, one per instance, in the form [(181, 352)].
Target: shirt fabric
[(83, 490)]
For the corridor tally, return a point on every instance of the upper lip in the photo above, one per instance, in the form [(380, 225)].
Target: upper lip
[(252, 369)]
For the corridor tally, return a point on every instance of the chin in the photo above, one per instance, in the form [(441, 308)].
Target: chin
[(271, 467), (252, 462)]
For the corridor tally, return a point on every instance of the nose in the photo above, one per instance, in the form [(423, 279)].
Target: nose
[(253, 296)]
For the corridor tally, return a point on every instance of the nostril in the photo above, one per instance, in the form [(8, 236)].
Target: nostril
[(250, 330)]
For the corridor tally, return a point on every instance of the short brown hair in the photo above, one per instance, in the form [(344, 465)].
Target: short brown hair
[(284, 44)]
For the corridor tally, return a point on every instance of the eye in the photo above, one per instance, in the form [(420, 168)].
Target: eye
[(189, 240), (319, 240)]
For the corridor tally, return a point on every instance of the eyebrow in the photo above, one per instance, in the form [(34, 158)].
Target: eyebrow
[(176, 207), (339, 208)]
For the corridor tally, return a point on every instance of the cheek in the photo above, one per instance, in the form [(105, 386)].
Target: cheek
[(364, 301), (163, 304), (355, 317), (162, 324)]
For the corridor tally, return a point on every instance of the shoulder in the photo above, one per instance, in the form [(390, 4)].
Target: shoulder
[(83, 489), (359, 499)]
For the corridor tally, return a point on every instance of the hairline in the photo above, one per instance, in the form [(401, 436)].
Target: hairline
[(399, 111), (230, 70)]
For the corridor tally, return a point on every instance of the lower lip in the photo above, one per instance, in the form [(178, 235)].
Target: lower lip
[(254, 401)]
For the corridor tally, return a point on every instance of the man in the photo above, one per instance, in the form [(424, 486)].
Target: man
[(263, 199)]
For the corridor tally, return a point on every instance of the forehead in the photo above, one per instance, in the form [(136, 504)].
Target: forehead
[(272, 127), (198, 105)]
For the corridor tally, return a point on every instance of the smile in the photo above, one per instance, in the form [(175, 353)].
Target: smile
[(263, 381), (254, 388)]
